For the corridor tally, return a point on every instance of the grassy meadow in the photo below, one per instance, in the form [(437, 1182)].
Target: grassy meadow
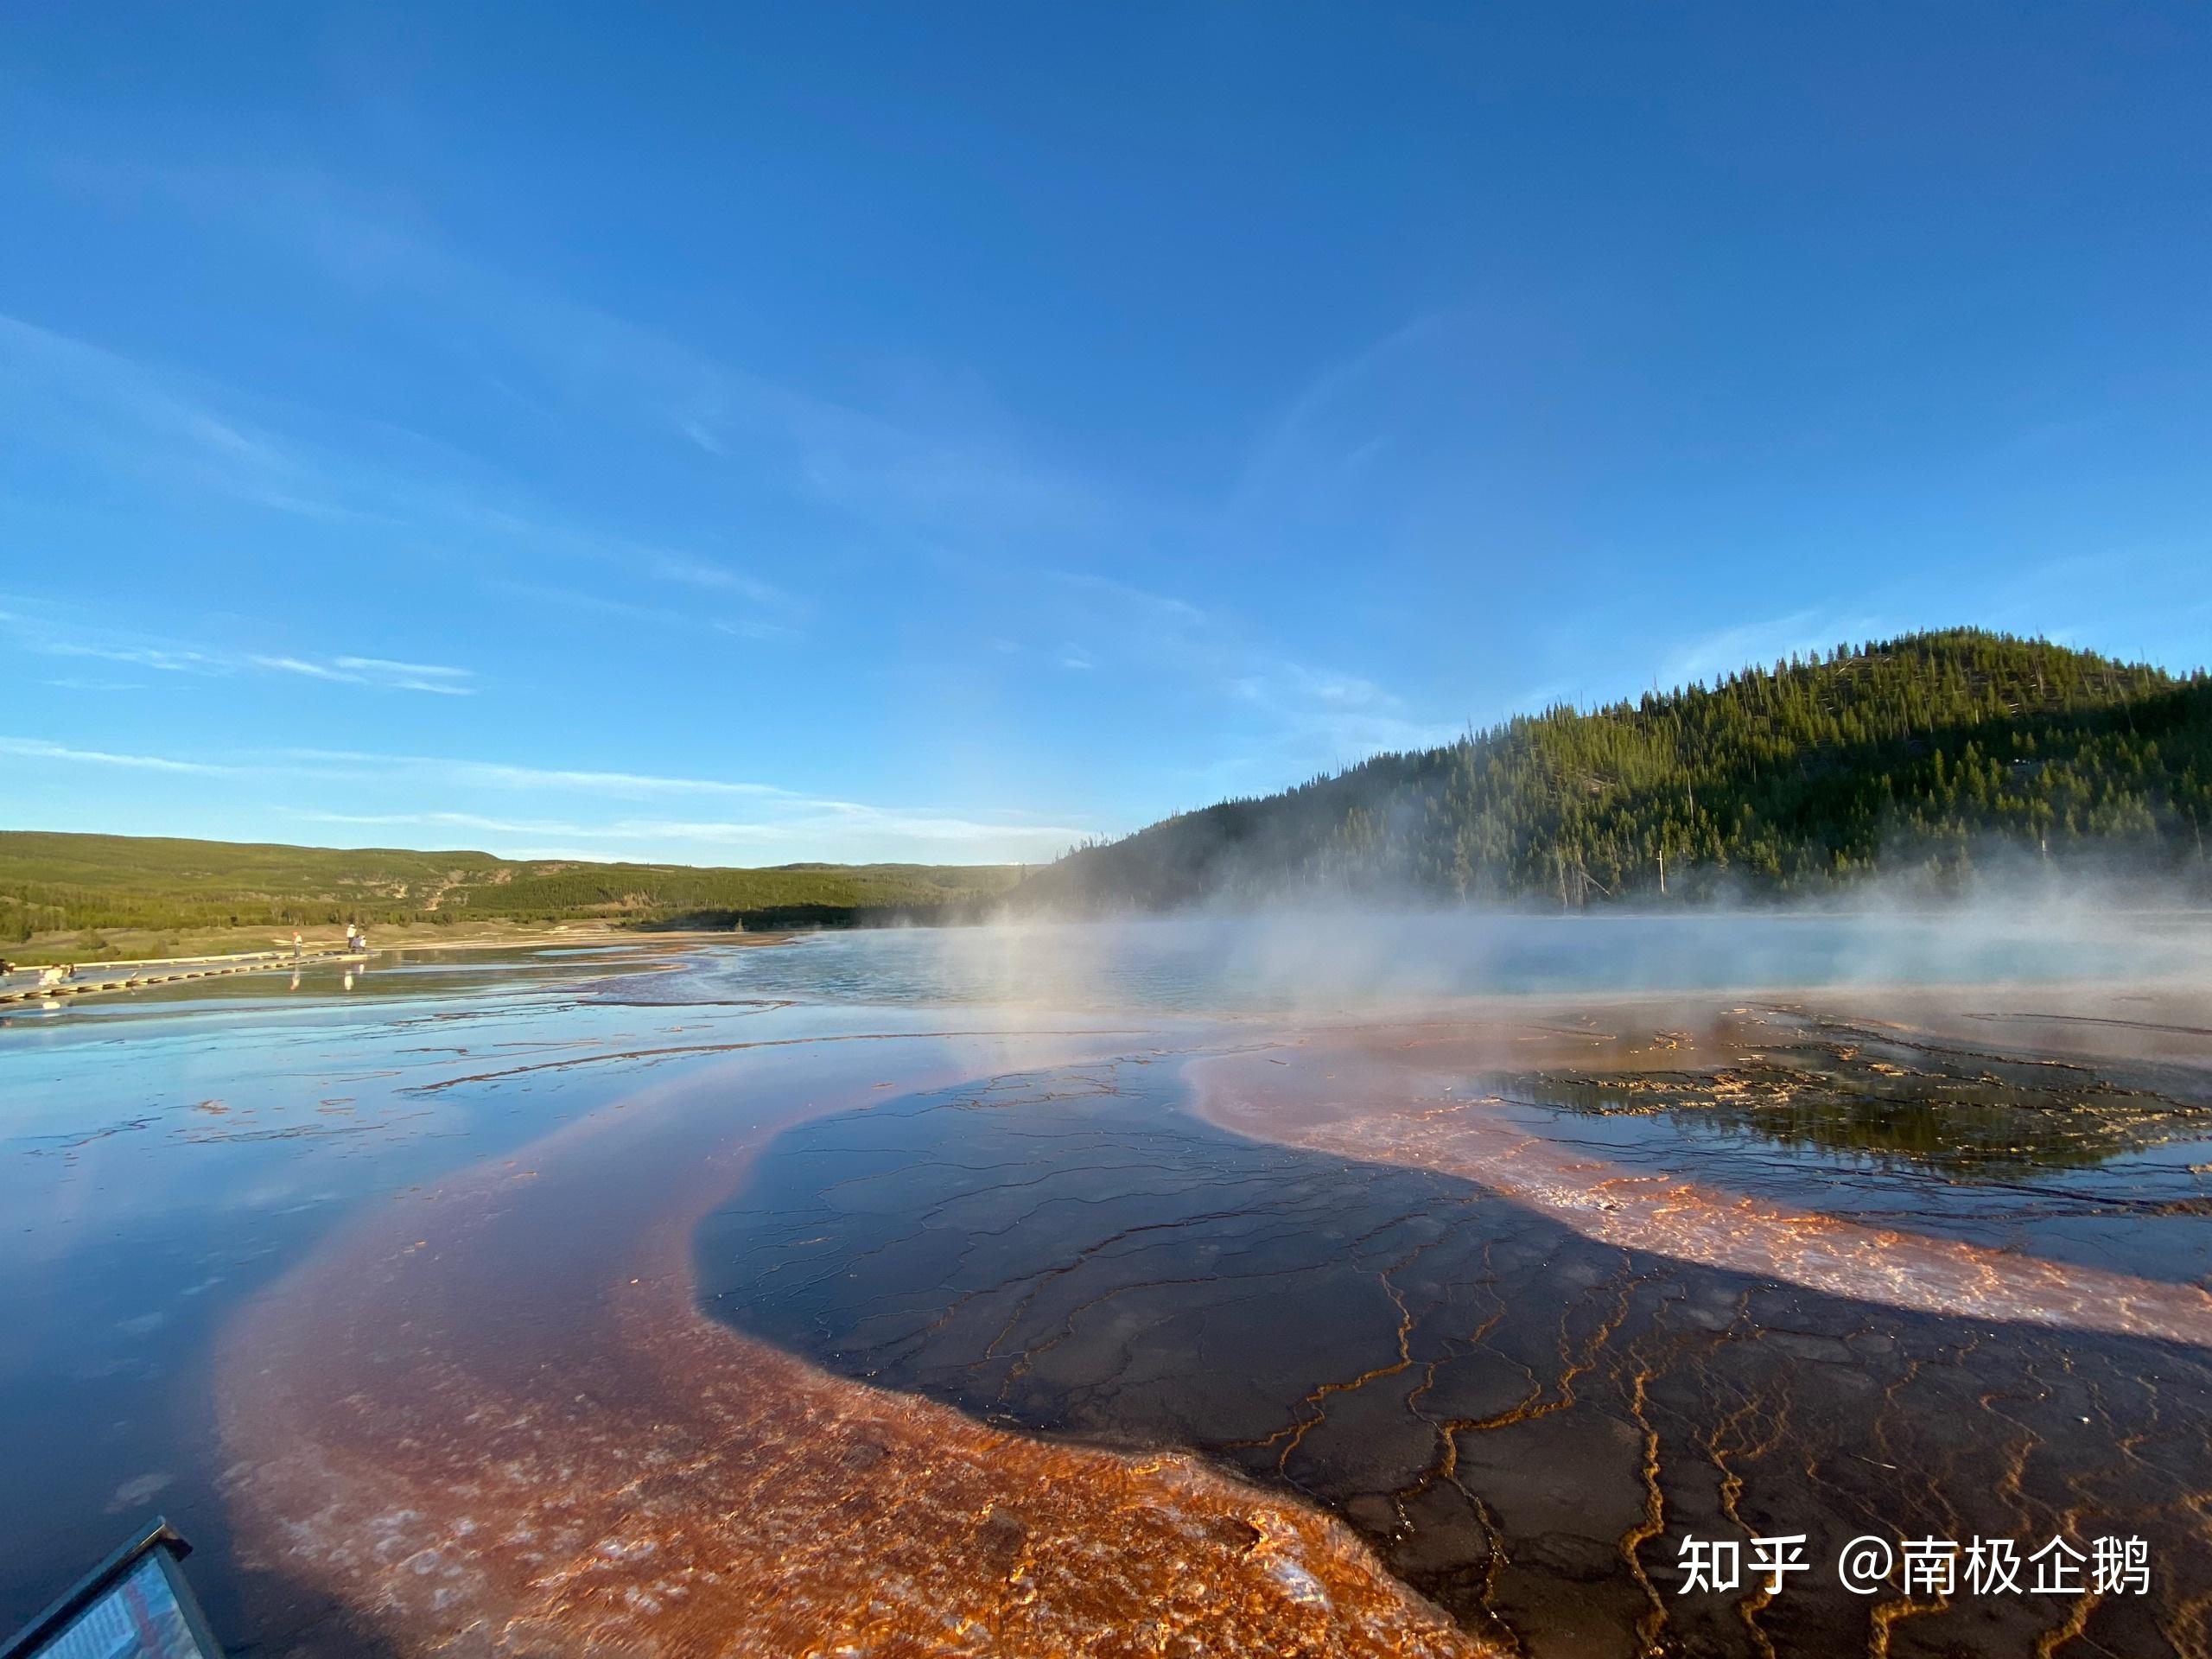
[(84, 898)]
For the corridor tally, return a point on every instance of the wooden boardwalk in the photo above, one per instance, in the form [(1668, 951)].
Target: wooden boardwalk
[(90, 978)]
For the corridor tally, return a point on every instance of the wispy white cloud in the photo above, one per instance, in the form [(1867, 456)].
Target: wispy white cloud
[(385, 665), (492, 774), (576, 599), (1306, 440), (167, 660), (703, 572), (180, 434), (475, 823), (1288, 717), (31, 748), (149, 426), (1723, 650), (56, 633), (755, 630), (1289, 682), (783, 824), (1163, 615), (295, 665), (657, 616), (581, 807), (1549, 694), (1326, 717), (835, 824), (937, 467), (377, 671)]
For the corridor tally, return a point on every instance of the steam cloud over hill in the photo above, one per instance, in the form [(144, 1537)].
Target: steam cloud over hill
[(1923, 758)]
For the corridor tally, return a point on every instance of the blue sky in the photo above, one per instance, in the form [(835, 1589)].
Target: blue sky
[(736, 434)]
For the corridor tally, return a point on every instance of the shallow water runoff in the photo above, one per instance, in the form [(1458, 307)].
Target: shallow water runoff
[(1695, 1285)]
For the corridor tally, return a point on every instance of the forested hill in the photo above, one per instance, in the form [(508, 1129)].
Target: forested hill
[(73, 883), (1921, 755)]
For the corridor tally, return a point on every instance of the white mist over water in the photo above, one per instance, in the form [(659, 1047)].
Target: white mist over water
[(1319, 960)]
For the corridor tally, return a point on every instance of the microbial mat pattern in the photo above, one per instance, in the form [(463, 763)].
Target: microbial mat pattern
[(1521, 1420)]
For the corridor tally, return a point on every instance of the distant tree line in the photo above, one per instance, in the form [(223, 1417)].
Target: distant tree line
[(58, 883), (1920, 754)]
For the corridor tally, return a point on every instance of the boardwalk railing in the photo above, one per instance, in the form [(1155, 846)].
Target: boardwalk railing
[(35, 984)]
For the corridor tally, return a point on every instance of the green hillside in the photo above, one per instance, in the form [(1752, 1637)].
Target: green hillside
[(52, 884), (1922, 755)]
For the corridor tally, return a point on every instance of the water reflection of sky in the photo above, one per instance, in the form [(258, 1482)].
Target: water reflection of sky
[(1292, 961), (2108, 1213), (1070, 1253), (165, 1153)]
